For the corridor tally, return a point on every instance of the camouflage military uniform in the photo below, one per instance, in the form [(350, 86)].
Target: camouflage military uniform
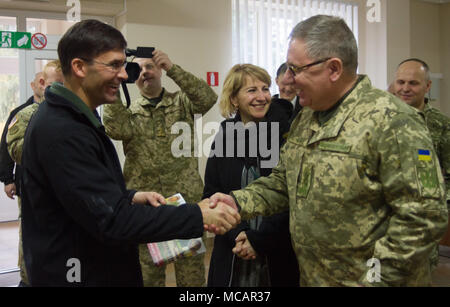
[(145, 131), (439, 126), (364, 185), (14, 137), (16, 132)]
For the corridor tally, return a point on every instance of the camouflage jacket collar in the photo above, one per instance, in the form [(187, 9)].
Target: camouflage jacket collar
[(427, 107), (74, 102), (158, 102), (332, 127)]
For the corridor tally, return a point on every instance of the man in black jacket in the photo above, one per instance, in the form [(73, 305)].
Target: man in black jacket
[(287, 98), (10, 173), (81, 226)]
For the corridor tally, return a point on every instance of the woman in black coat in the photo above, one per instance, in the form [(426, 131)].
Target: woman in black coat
[(237, 158)]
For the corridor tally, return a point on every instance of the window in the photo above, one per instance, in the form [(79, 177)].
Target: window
[(48, 26), (261, 28), (9, 73)]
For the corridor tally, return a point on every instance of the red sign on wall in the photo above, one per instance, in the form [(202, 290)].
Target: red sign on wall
[(212, 78), (39, 40)]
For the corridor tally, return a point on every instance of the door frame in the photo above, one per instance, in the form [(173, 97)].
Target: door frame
[(27, 63), (26, 71)]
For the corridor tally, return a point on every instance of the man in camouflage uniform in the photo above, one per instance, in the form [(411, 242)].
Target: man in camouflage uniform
[(146, 133), (16, 131), (358, 172), (412, 82)]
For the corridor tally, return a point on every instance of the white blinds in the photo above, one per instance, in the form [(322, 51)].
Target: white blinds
[(261, 27)]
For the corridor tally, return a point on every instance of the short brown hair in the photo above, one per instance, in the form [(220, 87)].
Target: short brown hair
[(235, 80), (86, 40)]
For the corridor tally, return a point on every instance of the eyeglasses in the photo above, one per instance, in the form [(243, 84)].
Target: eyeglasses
[(114, 67), (297, 70)]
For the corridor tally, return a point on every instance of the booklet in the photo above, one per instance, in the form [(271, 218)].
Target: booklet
[(169, 251)]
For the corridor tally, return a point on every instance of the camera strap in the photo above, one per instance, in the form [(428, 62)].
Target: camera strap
[(125, 92)]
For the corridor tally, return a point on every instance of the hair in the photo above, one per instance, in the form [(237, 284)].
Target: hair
[(423, 63), (88, 39), (235, 80), (327, 37), (52, 64), (282, 69)]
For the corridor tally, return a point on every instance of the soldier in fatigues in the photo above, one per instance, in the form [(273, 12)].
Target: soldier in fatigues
[(11, 173), (146, 133), (358, 170), (412, 82), (16, 131)]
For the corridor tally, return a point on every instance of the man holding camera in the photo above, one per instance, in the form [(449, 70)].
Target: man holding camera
[(145, 130)]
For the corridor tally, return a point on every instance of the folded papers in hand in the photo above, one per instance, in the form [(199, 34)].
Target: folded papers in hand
[(169, 251)]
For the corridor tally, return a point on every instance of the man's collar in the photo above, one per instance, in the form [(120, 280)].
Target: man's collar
[(331, 128), (60, 90), (154, 101), (324, 116)]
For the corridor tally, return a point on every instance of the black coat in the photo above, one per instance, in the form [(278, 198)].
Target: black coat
[(223, 174), (76, 206), (285, 109), (7, 174)]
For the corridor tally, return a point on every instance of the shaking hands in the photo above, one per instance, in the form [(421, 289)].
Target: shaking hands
[(219, 217)]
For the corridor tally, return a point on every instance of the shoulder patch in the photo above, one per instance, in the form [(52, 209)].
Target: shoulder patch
[(424, 155), (427, 173)]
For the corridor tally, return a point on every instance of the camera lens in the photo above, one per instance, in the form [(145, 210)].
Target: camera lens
[(133, 71)]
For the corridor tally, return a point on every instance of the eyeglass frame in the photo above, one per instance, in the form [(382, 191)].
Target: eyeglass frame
[(293, 68), (114, 67)]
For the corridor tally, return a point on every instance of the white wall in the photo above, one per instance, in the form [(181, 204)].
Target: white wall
[(444, 25)]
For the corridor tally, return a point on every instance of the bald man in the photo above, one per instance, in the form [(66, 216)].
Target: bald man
[(51, 73), (412, 83)]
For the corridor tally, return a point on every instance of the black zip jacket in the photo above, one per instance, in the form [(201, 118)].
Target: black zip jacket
[(223, 174), (76, 207)]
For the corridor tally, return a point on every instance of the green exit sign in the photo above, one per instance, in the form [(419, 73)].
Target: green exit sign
[(21, 40)]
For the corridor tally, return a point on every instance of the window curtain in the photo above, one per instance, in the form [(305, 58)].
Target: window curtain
[(261, 28)]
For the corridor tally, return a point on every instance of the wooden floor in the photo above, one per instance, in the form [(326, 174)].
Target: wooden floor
[(8, 260)]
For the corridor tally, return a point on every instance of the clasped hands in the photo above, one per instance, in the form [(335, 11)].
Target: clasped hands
[(219, 212)]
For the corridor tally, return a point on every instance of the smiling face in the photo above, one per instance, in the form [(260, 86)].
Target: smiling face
[(287, 91), (313, 83), (150, 77), (411, 84), (101, 83), (252, 100)]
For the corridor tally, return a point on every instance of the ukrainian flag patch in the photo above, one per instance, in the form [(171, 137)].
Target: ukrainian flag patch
[(424, 155)]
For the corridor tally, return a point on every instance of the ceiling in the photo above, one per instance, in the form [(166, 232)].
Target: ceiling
[(90, 7), (436, 1)]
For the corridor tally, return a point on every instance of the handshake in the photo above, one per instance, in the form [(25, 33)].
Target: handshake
[(219, 212)]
